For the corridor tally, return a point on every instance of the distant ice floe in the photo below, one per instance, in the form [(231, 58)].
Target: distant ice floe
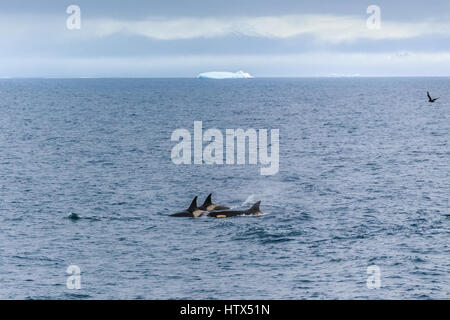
[(339, 75), (225, 75)]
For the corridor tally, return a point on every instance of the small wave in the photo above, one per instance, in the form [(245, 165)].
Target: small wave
[(75, 217), (264, 236), (76, 296)]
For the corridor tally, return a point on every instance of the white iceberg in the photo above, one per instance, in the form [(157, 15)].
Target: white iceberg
[(225, 75)]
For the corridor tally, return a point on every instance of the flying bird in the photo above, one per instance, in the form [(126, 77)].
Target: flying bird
[(431, 99)]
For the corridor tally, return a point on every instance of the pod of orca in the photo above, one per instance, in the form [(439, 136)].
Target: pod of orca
[(215, 210)]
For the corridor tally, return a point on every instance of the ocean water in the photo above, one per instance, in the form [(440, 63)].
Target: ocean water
[(364, 180)]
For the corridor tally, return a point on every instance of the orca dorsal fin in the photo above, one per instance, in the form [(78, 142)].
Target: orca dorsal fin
[(208, 201), (193, 205), (255, 207)]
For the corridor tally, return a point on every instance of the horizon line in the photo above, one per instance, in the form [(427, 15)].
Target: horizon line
[(262, 77)]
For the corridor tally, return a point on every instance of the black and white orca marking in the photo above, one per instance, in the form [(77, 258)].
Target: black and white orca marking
[(208, 205), (193, 211), (254, 211)]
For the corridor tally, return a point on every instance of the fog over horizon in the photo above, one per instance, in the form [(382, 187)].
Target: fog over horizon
[(173, 39)]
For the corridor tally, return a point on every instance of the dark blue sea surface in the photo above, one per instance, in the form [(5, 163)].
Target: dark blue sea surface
[(364, 180)]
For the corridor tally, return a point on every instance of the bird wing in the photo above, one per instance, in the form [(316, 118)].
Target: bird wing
[(428, 94)]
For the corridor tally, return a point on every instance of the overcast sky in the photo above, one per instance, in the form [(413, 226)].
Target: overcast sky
[(145, 38)]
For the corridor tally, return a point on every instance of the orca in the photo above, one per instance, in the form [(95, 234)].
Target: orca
[(193, 211), (254, 211), (208, 205), (73, 216)]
